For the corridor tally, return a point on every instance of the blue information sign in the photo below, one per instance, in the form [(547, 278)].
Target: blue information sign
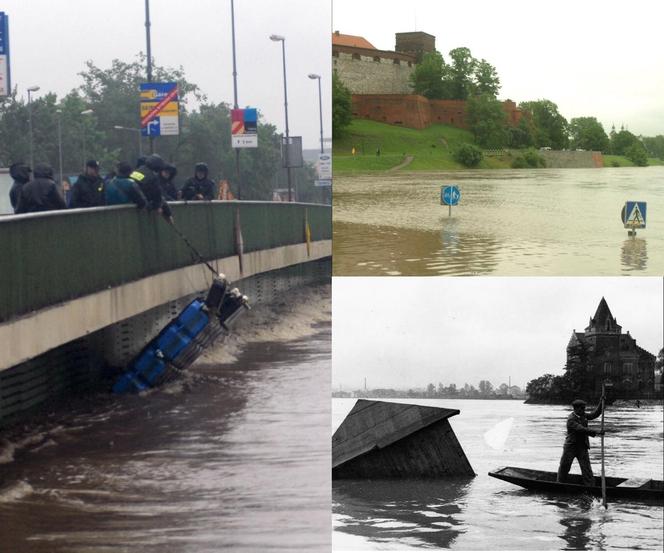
[(5, 72), (450, 195)]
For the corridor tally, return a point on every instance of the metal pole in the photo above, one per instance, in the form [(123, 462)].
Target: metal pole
[(149, 60), (288, 168), (602, 442), (60, 146), (235, 104), (140, 144), (32, 153), (320, 106)]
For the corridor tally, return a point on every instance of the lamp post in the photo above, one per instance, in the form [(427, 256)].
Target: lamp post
[(278, 38), (140, 142), (235, 104), (148, 44), (32, 147), (85, 154), (59, 112), (320, 106)]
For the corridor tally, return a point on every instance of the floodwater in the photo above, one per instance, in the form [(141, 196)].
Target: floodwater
[(484, 513), (233, 457), (553, 222)]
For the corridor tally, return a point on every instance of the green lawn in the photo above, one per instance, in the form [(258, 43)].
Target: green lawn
[(624, 162)]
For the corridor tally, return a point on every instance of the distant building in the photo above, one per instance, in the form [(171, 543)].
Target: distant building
[(612, 356)]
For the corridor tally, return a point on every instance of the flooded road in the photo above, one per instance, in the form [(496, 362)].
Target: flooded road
[(554, 222), (232, 457), (484, 513)]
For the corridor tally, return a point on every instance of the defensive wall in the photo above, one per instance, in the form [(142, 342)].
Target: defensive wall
[(565, 159), (84, 290), (366, 71), (417, 112)]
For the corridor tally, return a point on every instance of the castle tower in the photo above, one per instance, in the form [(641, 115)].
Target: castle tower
[(603, 322), (416, 44)]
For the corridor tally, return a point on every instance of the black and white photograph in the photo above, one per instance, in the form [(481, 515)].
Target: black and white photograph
[(497, 414)]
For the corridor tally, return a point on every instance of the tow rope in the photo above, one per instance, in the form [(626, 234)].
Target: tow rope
[(194, 250)]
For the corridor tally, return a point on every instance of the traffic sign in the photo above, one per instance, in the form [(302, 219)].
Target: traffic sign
[(244, 128), (324, 166), (634, 215), (450, 195), (159, 109), (5, 73)]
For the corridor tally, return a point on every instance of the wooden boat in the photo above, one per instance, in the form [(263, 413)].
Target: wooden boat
[(617, 488)]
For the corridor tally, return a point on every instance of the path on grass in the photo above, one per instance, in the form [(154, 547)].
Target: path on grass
[(407, 160)]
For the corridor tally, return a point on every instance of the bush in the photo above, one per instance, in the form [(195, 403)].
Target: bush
[(615, 163), (529, 159), (519, 162), (637, 154), (468, 155)]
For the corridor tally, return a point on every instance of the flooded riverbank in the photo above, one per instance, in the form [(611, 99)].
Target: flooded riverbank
[(483, 513), (554, 222), (233, 457)]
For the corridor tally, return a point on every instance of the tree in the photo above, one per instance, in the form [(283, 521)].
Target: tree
[(523, 135), (587, 133), (551, 128), (462, 73), (468, 155), (486, 79), (621, 141), (504, 389), (431, 77), (654, 145), (342, 109), (637, 154), (485, 387), (487, 121), (431, 390)]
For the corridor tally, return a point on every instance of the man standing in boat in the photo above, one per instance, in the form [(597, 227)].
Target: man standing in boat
[(577, 443)]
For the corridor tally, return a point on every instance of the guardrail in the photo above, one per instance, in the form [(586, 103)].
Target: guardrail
[(52, 257)]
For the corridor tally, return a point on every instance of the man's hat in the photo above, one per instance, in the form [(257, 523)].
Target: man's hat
[(578, 403), (93, 163)]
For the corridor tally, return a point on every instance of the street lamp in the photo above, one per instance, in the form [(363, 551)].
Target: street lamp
[(85, 112), (32, 148), (140, 142), (59, 112), (320, 105), (279, 38)]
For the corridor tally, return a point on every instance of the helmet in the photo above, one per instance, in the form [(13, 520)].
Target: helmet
[(203, 167)]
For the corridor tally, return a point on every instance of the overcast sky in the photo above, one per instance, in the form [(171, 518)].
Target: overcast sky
[(50, 41), (408, 331), (591, 58)]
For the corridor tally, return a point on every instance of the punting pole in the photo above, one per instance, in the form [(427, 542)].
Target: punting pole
[(602, 442)]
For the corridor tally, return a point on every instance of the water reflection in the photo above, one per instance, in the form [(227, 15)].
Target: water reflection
[(385, 511), (634, 254)]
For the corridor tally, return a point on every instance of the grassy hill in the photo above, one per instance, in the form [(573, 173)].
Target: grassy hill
[(430, 148)]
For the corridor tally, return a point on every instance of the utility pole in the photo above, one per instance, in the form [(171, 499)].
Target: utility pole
[(59, 112), (149, 54), (278, 38), (235, 104), (32, 146)]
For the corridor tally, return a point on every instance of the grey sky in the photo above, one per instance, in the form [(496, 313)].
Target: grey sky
[(602, 59), (50, 41), (406, 332)]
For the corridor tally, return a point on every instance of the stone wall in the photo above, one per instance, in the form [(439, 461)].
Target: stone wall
[(366, 71), (563, 159), (416, 112)]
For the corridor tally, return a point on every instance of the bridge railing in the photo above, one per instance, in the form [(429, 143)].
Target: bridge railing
[(52, 257)]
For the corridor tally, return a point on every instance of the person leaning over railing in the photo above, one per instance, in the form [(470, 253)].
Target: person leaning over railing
[(123, 190), (41, 193), (147, 178)]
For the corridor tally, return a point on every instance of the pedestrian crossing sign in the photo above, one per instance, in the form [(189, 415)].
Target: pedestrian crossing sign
[(634, 215)]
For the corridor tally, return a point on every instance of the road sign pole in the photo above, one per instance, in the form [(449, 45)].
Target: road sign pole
[(149, 60)]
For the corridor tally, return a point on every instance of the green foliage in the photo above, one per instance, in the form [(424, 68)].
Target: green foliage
[(551, 128), (588, 134), (637, 154), (486, 79), (615, 163), (461, 73), (523, 135), (654, 145), (468, 155), (430, 77), (529, 159), (342, 109), (487, 121), (621, 141)]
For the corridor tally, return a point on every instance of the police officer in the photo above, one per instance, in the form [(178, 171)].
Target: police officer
[(168, 188), (198, 187), (577, 443), (147, 178), (40, 194), (88, 190)]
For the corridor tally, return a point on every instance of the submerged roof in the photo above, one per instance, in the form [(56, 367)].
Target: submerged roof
[(339, 39), (377, 424)]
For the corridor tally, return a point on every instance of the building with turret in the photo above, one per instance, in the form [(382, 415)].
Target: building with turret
[(612, 356)]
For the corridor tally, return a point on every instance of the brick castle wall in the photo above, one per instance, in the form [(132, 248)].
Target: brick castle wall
[(366, 71)]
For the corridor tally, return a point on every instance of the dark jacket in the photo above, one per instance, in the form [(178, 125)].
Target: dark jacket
[(194, 187), (40, 194), (20, 172), (168, 189), (124, 191), (578, 431), (148, 182), (87, 192)]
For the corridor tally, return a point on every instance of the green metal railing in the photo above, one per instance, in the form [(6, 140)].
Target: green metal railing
[(48, 258)]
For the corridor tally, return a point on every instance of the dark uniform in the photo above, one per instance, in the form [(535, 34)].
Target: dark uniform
[(147, 178), (88, 190), (168, 188), (20, 172), (577, 444), (198, 188), (40, 194)]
